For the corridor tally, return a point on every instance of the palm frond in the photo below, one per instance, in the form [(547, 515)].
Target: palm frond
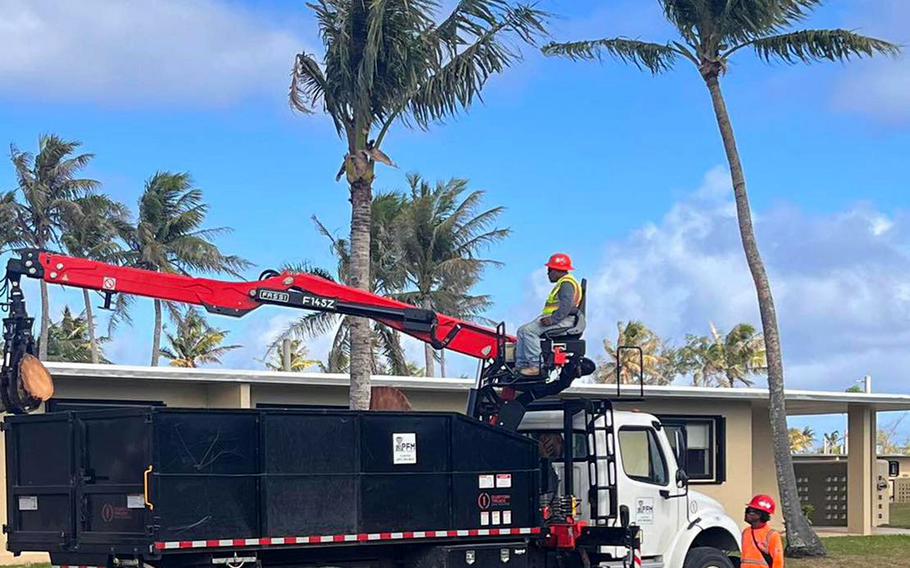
[(808, 46), (459, 82), (654, 57)]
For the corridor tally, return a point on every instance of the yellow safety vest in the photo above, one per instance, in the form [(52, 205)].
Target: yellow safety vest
[(553, 299)]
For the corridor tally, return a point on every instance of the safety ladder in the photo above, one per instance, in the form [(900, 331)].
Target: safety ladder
[(601, 457)]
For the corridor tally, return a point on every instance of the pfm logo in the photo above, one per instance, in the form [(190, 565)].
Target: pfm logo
[(402, 446)]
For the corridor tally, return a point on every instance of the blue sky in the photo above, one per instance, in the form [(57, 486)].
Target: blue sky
[(621, 169)]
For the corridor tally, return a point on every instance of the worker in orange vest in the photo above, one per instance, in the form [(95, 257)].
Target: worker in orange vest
[(762, 545)]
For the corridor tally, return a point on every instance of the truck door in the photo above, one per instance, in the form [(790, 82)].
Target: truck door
[(644, 470)]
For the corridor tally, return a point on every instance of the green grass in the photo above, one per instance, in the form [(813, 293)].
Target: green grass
[(860, 552), (900, 515)]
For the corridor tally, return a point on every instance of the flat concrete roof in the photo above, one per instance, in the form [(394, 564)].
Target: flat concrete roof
[(799, 402)]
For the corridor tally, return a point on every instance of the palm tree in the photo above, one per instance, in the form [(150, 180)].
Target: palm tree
[(195, 342), (389, 62), (833, 443), (443, 231), (49, 184), (801, 441), (386, 352), (298, 360), (724, 359), (69, 340), (657, 358), (169, 237), (8, 236), (90, 231), (711, 32)]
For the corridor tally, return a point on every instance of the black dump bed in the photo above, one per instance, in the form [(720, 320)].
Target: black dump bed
[(151, 480)]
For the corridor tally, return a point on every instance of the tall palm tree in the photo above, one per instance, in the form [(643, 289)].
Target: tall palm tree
[(655, 366), (49, 184), (801, 441), (391, 62), (443, 233), (724, 359), (69, 340), (195, 342), (90, 231), (710, 33), (169, 237), (386, 352)]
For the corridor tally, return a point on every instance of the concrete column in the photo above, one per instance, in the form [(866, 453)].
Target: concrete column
[(860, 469), (236, 395)]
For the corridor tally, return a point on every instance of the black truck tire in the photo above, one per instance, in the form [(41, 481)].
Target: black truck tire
[(707, 557)]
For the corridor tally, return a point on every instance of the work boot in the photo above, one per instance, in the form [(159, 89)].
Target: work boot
[(529, 371)]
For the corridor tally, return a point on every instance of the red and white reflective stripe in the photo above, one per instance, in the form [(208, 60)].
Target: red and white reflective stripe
[(636, 557), (340, 538)]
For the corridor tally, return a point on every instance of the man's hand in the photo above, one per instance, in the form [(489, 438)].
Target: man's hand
[(546, 320)]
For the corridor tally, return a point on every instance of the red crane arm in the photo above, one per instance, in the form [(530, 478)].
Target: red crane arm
[(236, 299)]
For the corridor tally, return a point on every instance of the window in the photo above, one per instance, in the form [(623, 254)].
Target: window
[(642, 458), (704, 437), (552, 444)]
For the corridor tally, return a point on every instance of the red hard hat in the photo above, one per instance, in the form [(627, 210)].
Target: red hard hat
[(560, 261), (762, 503)]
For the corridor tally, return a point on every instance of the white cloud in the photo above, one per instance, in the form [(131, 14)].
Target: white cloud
[(130, 52), (879, 87), (840, 283)]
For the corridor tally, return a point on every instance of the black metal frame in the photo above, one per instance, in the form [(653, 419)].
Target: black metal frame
[(17, 335)]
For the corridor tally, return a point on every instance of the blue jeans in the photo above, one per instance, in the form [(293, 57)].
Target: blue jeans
[(527, 351)]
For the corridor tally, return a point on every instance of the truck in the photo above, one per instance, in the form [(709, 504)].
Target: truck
[(530, 476)]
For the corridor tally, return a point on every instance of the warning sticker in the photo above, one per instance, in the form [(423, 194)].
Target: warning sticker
[(496, 517), (504, 480), (485, 481), (404, 448), (507, 517), (484, 518), (29, 503), (135, 502)]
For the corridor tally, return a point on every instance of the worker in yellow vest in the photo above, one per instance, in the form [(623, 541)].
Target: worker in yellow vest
[(559, 311)]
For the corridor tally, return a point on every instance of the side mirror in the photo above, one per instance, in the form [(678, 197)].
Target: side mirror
[(682, 479), (624, 516)]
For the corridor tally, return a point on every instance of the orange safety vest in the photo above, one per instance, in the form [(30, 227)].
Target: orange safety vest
[(768, 541)]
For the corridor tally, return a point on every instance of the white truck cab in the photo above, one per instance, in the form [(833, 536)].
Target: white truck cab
[(626, 457)]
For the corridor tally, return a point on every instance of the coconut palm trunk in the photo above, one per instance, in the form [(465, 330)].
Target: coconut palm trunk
[(45, 322), (156, 335), (89, 318), (429, 358), (361, 335), (800, 535)]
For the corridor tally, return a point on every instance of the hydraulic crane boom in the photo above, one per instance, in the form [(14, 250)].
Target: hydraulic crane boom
[(236, 299)]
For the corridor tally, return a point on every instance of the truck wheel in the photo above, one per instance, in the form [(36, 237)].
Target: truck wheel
[(707, 557)]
